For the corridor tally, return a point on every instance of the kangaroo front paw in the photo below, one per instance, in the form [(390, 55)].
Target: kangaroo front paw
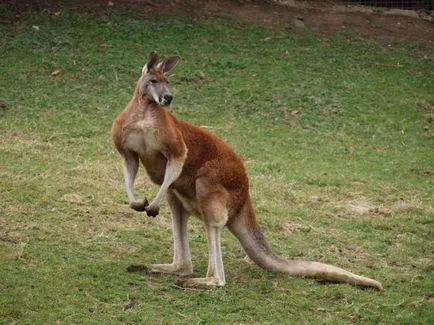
[(139, 206), (152, 210)]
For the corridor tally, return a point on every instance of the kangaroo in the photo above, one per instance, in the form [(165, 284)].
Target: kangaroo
[(200, 175)]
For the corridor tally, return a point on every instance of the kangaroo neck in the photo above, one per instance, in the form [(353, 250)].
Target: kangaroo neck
[(144, 104)]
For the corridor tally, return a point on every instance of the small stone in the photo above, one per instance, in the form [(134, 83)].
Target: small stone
[(299, 22)]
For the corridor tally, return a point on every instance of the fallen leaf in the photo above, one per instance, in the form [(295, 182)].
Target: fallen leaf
[(55, 73)]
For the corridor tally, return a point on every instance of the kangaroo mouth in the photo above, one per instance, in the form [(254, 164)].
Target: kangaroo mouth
[(162, 100)]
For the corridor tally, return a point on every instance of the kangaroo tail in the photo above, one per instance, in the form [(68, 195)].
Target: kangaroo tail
[(248, 232)]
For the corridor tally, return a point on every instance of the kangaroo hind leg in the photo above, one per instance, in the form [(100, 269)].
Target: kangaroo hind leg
[(181, 264), (215, 216)]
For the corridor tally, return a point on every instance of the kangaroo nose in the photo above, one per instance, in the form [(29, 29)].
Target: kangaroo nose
[(166, 99)]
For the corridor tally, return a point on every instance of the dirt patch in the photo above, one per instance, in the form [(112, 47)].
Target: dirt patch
[(289, 227), (323, 17), (358, 207)]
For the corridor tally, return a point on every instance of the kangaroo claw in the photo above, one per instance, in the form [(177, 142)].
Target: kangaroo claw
[(139, 206), (152, 211)]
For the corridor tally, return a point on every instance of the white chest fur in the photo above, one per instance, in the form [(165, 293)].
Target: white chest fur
[(142, 137)]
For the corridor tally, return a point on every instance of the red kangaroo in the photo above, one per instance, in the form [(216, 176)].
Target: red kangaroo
[(200, 175)]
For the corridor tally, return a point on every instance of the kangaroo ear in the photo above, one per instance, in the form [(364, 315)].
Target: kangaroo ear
[(169, 64), (152, 62)]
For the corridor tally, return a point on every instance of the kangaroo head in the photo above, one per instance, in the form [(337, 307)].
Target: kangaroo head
[(153, 83)]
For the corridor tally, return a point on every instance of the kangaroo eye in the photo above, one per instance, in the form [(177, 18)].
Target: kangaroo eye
[(153, 81)]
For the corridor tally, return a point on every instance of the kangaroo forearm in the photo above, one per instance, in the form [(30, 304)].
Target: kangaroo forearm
[(131, 166), (173, 170)]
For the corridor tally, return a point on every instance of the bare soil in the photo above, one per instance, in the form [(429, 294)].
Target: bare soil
[(325, 17)]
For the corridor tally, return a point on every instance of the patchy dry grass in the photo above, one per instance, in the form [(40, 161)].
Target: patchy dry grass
[(336, 136)]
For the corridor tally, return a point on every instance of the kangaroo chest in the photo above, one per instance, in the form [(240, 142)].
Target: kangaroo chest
[(142, 138)]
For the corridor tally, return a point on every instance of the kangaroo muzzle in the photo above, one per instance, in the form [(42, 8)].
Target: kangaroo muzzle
[(165, 100)]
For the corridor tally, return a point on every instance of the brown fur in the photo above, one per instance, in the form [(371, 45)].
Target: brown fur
[(212, 184)]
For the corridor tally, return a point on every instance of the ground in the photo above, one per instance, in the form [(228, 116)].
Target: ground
[(324, 17), (335, 128)]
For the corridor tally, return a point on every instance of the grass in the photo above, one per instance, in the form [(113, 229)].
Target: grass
[(336, 135)]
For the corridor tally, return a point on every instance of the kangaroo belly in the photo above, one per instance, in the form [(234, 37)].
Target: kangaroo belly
[(155, 165), (189, 202)]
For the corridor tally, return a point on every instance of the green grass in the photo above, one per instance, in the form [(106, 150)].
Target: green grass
[(336, 135)]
